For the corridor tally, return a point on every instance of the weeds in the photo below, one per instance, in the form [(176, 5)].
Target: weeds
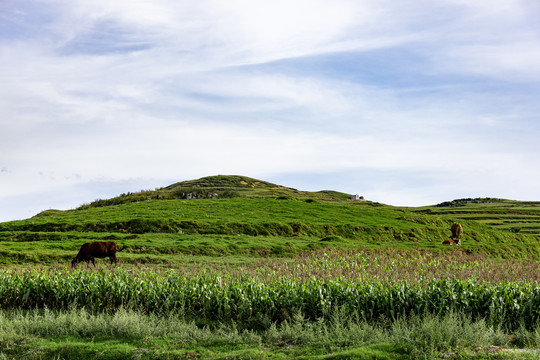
[(418, 337)]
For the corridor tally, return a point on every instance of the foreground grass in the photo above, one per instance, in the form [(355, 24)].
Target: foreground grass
[(37, 334)]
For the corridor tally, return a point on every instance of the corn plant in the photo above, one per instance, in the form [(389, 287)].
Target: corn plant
[(212, 296)]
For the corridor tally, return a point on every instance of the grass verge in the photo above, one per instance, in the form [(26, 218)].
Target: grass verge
[(37, 334)]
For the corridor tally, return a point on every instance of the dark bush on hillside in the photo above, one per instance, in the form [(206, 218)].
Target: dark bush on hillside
[(332, 238), (124, 199), (463, 202), (284, 197)]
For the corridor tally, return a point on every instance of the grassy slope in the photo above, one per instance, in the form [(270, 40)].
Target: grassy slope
[(501, 214), (252, 219)]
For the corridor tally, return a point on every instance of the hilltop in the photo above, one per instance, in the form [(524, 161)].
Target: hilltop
[(238, 218), (220, 187)]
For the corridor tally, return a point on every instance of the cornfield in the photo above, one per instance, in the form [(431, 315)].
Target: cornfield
[(268, 294)]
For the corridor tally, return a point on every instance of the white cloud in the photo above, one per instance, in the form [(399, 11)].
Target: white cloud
[(175, 90)]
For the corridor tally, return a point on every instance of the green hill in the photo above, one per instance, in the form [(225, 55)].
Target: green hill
[(219, 187), (238, 219)]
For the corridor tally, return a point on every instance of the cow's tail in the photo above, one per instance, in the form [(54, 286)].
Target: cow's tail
[(123, 247)]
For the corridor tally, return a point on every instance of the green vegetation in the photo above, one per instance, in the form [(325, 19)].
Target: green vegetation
[(234, 267), (39, 334), (254, 297), (262, 220), (386, 304), (515, 216)]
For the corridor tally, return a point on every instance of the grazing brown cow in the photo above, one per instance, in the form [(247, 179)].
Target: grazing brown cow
[(96, 249), (457, 230), (449, 242)]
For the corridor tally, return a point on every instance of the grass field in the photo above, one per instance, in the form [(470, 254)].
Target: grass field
[(234, 267), (515, 216)]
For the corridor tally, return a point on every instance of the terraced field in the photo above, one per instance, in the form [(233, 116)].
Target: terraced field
[(507, 215)]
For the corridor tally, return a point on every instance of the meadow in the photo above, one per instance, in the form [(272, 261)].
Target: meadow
[(172, 231), (269, 272), (384, 303)]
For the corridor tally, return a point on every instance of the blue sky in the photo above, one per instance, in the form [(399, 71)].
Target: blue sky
[(407, 103)]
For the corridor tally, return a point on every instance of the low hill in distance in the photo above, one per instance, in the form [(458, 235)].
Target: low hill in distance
[(225, 219), (220, 187)]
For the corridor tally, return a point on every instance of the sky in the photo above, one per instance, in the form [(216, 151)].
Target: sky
[(407, 103)]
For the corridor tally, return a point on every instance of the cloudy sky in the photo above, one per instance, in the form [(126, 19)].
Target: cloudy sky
[(409, 102)]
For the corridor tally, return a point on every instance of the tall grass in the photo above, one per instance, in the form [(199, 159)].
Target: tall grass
[(426, 336)]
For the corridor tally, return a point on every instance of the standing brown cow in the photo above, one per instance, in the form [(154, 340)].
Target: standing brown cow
[(457, 230), (96, 249)]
